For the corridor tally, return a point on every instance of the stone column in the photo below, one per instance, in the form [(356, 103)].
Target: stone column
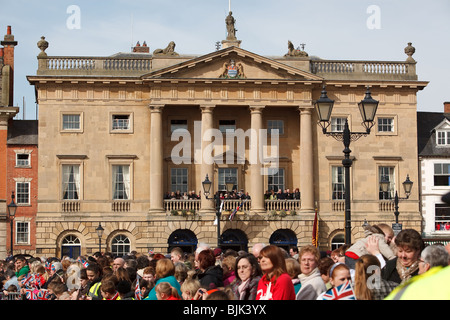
[(207, 163), (306, 160), (156, 159), (256, 162)]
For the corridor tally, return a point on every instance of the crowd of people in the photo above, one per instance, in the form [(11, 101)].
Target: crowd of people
[(379, 266), (280, 194), (192, 195)]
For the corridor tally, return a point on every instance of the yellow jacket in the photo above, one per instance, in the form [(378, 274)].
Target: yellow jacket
[(431, 285)]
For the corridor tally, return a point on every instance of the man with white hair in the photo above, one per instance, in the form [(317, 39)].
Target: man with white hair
[(433, 256), (257, 248)]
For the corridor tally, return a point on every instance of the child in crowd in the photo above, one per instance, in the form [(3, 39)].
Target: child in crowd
[(164, 291), (109, 291), (339, 274), (189, 288)]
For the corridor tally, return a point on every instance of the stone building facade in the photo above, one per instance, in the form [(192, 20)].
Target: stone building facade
[(109, 152)]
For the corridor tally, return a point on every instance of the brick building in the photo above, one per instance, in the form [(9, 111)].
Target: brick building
[(7, 113)]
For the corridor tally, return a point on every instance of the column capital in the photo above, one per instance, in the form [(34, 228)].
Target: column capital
[(207, 108), (156, 107), (256, 109)]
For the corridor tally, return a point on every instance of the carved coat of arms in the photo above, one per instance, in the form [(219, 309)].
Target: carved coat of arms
[(231, 70)]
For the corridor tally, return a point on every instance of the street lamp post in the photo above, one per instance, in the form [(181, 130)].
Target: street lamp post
[(12, 208), (368, 108), (407, 186), (229, 183), (99, 231)]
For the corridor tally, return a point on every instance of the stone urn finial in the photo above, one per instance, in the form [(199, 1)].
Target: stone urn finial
[(409, 50), (42, 44)]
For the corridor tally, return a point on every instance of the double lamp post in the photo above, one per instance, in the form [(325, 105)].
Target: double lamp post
[(368, 108)]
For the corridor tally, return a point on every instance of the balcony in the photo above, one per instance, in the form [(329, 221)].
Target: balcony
[(231, 205)]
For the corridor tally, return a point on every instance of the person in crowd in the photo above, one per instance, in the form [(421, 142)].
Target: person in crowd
[(368, 284), (406, 265), (210, 275), (59, 289), (165, 272), (228, 267), (149, 274), (181, 272), (293, 252), (11, 279), (312, 283), (189, 288), (56, 271), (338, 255), (118, 262), (124, 289), (248, 274), (275, 284), (109, 291), (21, 266), (177, 255), (164, 291), (433, 256), (339, 274), (257, 249), (293, 269), (83, 290), (94, 275), (359, 248), (388, 234), (142, 263), (324, 266)]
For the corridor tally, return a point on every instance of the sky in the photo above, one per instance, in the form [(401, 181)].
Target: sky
[(330, 29)]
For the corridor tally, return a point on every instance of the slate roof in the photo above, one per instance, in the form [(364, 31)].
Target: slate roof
[(23, 132), (426, 136)]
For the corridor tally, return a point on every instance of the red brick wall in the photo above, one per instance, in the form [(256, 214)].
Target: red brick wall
[(28, 211)]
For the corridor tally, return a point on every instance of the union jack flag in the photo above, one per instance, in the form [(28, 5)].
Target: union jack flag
[(83, 262), (342, 292), (43, 294), (236, 210), (137, 290), (31, 294)]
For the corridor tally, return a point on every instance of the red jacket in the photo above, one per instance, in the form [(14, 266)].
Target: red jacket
[(281, 289)]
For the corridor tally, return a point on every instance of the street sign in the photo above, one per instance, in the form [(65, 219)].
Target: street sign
[(397, 227)]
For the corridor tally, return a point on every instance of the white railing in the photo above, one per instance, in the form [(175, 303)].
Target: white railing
[(179, 205), (100, 65), (364, 69), (286, 205)]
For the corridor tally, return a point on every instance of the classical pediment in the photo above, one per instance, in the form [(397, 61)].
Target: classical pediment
[(232, 63)]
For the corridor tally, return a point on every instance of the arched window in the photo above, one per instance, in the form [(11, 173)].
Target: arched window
[(183, 238), (71, 246), (120, 245), (284, 238), (337, 241), (234, 239)]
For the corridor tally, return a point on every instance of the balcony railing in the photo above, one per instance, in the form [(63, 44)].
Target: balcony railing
[(94, 65), (120, 206), (231, 204), (371, 70), (70, 206)]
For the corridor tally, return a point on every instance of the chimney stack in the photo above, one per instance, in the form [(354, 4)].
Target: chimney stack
[(447, 107), (143, 49), (8, 60)]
